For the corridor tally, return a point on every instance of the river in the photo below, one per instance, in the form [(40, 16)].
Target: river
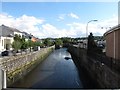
[(54, 72)]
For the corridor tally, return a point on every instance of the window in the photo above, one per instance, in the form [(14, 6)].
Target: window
[(2, 42)]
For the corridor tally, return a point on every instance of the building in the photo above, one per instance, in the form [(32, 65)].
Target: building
[(26, 36), (113, 42), (6, 37)]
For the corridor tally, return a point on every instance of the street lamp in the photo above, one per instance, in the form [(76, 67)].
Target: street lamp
[(87, 30), (87, 27)]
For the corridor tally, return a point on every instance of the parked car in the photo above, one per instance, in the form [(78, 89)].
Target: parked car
[(5, 53)]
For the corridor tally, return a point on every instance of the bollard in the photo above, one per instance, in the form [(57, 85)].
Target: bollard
[(4, 79), (3, 83), (0, 79)]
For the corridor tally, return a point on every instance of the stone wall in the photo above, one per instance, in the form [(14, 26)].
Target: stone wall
[(101, 73), (18, 66)]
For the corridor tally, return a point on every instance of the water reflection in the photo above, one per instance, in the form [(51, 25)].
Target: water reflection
[(54, 72)]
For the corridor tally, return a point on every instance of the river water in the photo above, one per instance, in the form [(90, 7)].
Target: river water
[(54, 72)]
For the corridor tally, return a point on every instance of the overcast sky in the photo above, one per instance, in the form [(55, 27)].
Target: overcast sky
[(59, 19)]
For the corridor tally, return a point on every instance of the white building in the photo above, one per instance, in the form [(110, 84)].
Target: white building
[(6, 37)]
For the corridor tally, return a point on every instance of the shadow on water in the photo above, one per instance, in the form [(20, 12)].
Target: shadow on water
[(67, 58)]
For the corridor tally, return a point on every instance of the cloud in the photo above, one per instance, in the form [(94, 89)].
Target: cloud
[(23, 23), (73, 15), (61, 17), (49, 30), (41, 29), (94, 27)]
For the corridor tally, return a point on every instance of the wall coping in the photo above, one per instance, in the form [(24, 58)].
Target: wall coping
[(115, 28)]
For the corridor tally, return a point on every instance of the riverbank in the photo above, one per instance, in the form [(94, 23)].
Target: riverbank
[(17, 67), (88, 81)]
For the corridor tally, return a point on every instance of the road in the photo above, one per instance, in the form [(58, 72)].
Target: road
[(54, 72)]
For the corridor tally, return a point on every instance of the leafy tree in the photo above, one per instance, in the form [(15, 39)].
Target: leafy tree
[(30, 44), (66, 40), (17, 43), (24, 44), (42, 44), (58, 42), (47, 42), (17, 37)]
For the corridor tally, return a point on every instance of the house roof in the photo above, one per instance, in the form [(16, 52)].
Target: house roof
[(3, 27), (115, 28)]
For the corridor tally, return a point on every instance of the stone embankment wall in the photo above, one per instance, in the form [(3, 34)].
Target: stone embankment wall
[(18, 66), (101, 73)]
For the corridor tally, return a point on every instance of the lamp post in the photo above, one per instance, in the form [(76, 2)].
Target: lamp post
[(87, 26), (87, 30)]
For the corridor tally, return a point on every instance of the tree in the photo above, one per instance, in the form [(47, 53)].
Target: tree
[(24, 44), (66, 40), (17, 37), (30, 44), (17, 43), (58, 43), (47, 42)]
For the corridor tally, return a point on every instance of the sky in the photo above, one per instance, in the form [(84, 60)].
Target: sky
[(59, 19)]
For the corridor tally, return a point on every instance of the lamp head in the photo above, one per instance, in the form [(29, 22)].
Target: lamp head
[(95, 20)]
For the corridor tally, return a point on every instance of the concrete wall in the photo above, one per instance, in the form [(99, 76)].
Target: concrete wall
[(102, 74), (113, 42), (18, 66), (110, 45)]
